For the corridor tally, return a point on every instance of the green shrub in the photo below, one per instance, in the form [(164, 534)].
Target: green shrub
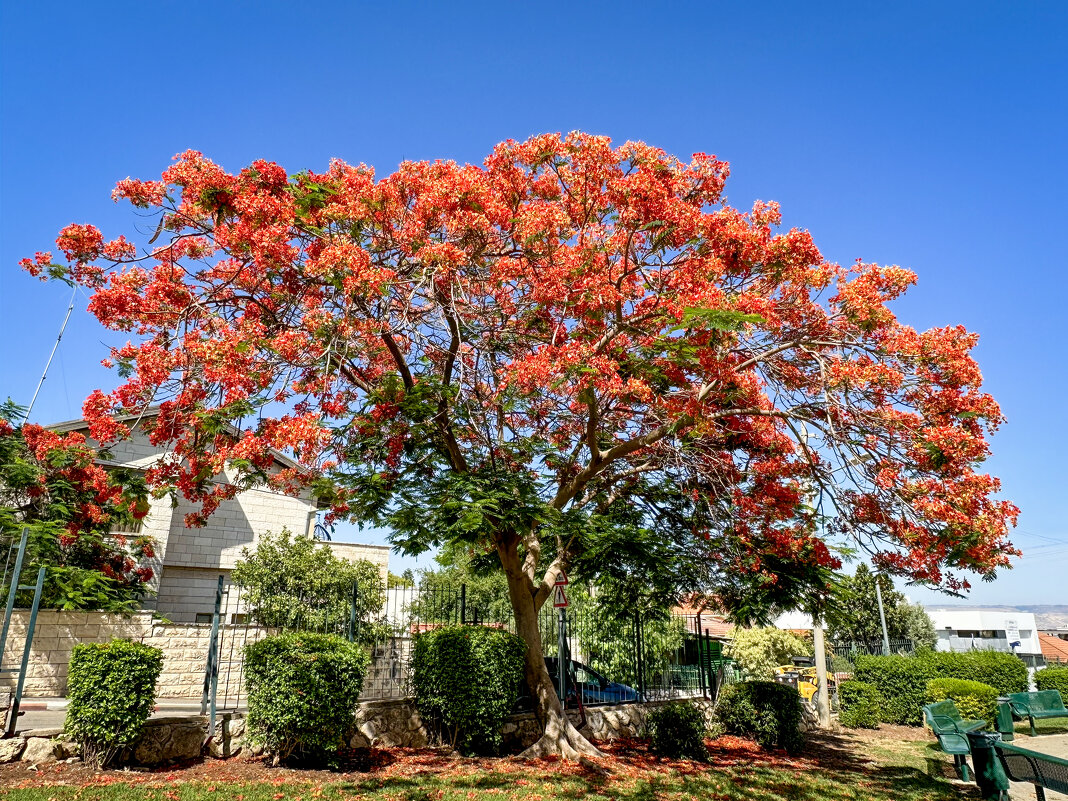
[(111, 690), (302, 694), (677, 730), (764, 710), (901, 681), (974, 700), (466, 680), (860, 705), (1053, 677), (1004, 672)]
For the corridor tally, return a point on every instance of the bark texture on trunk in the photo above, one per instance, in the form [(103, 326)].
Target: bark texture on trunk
[(559, 736)]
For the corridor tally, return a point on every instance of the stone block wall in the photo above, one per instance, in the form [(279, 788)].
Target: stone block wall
[(184, 646)]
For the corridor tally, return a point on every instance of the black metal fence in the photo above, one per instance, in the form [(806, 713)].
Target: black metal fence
[(608, 658)]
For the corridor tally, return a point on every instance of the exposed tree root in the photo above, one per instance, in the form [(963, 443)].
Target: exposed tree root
[(561, 739)]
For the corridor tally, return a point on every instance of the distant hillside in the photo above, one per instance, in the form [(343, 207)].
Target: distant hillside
[(1047, 616)]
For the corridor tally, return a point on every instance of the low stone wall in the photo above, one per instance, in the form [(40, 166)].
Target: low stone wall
[(163, 741), (381, 724), (397, 724)]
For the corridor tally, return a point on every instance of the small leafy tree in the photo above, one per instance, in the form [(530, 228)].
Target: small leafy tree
[(758, 651), (53, 485), (605, 636), (918, 626), (297, 582), (405, 579), (438, 600), (854, 616)]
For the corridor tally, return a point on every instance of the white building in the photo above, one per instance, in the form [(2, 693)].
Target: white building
[(985, 629), (189, 561)]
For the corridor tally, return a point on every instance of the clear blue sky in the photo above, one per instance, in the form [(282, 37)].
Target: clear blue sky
[(931, 135)]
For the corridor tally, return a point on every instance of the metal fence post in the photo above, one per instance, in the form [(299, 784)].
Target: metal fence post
[(13, 712), (700, 658), (561, 661), (640, 642), (352, 611), (211, 669), (11, 592), (463, 604)]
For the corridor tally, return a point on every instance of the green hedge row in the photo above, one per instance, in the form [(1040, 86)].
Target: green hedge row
[(902, 680), (1053, 677), (859, 705)]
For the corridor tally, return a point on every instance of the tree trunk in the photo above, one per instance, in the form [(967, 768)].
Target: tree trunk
[(559, 735)]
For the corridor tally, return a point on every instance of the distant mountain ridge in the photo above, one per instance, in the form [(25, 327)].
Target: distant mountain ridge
[(1047, 616)]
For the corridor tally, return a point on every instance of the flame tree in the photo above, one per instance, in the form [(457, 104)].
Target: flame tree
[(573, 356)]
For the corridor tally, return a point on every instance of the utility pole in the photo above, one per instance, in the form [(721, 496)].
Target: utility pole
[(882, 615), (823, 697)]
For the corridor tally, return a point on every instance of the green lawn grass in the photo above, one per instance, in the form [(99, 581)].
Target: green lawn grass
[(840, 770), (1048, 726)]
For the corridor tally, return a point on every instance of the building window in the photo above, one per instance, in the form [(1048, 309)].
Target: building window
[(964, 634), (133, 527), (204, 617), (239, 618)]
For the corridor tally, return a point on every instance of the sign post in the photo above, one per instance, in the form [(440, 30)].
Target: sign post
[(562, 663), (1012, 633)]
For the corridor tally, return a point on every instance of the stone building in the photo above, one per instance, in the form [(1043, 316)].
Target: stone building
[(189, 561)]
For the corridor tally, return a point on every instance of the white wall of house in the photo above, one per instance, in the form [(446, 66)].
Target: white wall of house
[(984, 629), (189, 561)]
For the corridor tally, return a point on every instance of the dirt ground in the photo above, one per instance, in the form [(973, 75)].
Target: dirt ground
[(847, 750)]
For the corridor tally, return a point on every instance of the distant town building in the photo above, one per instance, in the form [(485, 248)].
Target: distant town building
[(986, 630)]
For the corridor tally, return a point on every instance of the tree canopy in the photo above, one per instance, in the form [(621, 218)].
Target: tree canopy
[(53, 485), (571, 349)]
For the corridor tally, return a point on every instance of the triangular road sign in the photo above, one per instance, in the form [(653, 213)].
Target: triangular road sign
[(559, 599)]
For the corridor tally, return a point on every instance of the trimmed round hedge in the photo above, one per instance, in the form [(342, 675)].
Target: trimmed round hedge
[(768, 712), (974, 700), (466, 680), (677, 731), (860, 705), (303, 690), (111, 690)]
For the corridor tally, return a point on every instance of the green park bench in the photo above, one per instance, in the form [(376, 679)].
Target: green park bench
[(1036, 706), (952, 732), (1041, 770)]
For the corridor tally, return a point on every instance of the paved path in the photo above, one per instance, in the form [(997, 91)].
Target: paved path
[(1052, 744), (49, 713)]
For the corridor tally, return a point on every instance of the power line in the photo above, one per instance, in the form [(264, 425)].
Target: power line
[(52, 355)]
